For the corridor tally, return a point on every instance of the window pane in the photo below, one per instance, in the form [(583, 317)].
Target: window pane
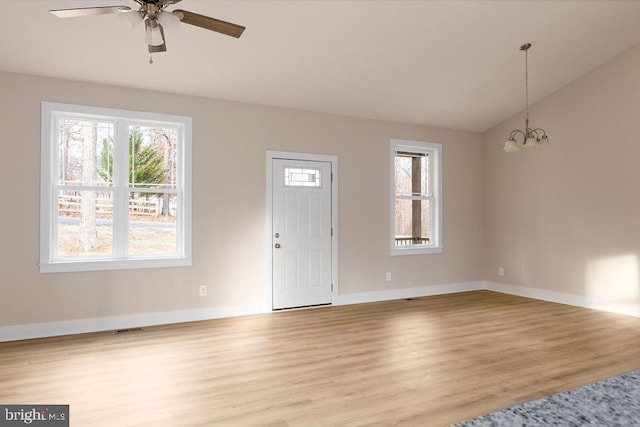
[(424, 171), (85, 152), (85, 224), (153, 157), (297, 177), (403, 175), (407, 231), (153, 224), (411, 174)]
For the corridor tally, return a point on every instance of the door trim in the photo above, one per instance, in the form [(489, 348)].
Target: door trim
[(285, 155)]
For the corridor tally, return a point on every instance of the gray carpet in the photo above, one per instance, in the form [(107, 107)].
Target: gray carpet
[(611, 402)]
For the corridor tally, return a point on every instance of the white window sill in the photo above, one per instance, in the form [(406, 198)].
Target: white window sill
[(124, 264), (415, 251)]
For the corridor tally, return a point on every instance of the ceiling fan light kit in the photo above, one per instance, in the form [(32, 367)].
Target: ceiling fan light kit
[(169, 20), (155, 33), (155, 16), (527, 138)]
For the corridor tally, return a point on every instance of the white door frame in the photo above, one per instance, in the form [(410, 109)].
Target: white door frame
[(269, 220)]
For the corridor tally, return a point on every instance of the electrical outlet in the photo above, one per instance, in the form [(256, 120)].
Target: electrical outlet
[(203, 291), (500, 271), (387, 277)]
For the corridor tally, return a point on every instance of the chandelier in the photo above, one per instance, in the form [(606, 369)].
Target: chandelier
[(529, 138)]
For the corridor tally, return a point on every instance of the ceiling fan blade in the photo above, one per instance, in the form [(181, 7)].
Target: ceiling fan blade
[(208, 23), (87, 11), (156, 49)]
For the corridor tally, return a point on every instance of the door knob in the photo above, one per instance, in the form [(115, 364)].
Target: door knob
[(277, 245)]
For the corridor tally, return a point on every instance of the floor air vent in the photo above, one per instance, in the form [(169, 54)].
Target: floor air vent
[(124, 331)]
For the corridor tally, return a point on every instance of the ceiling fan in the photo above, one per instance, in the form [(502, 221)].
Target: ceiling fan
[(155, 15)]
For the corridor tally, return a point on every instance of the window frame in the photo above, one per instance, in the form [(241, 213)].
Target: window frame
[(434, 151), (49, 201)]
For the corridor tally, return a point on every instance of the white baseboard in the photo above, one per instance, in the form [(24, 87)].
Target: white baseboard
[(422, 291), (81, 326), (101, 324), (629, 309)]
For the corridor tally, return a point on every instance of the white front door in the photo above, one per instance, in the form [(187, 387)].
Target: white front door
[(301, 240)]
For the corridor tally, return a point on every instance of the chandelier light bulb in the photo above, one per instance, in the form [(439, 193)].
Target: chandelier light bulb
[(511, 145)]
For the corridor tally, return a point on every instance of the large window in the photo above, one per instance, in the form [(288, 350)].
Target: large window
[(416, 197), (115, 189)]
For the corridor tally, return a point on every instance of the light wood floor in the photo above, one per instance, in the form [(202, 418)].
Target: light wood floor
[(428, 361)]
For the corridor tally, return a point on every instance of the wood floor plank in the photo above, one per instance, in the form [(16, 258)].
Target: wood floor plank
[(426, 361)]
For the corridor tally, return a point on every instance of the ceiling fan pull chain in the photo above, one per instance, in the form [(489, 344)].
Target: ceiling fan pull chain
[(151, 58)]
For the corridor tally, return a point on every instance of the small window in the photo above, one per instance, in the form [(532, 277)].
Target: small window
[(296, 177), (416, 197), (115, 189)]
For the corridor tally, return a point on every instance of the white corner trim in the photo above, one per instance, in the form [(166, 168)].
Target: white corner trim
[(101, 324), (629, 309), (422, 291)]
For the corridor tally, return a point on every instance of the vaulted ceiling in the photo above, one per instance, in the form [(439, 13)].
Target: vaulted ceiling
[(452, 64)]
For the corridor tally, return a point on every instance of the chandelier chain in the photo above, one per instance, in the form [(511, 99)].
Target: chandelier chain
[(526, 85)]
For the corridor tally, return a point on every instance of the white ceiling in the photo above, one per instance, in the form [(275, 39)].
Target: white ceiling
[(453, 64)]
